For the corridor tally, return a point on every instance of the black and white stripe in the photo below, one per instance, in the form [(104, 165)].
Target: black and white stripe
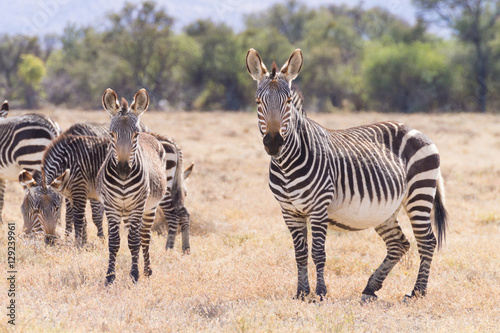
[(132, 180), (22, 142), (349, 179)]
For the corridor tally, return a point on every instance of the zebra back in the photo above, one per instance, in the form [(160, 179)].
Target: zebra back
[(81, 155), (22, 142)]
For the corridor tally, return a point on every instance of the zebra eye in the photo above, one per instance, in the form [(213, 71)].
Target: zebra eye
[(257, 101), (289, 100)]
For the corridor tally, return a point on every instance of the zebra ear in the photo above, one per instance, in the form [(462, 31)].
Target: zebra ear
[(110, 101), (26, 180), (188, 171), (56, 183), (255, 66), (292, 67), (5, 109), (140, 103)]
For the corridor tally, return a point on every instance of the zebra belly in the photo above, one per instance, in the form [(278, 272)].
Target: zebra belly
[(356, 215)]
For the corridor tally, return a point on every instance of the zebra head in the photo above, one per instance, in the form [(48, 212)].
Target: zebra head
[(4, 110), (274, 97), (41, 207), (125, 126)]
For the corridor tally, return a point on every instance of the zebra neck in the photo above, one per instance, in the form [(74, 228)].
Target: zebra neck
[(292, 146)]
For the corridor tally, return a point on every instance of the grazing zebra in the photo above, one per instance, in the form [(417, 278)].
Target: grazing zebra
[(22, 142), (132, 180), (62, 154), (350, 179), (41, 207)]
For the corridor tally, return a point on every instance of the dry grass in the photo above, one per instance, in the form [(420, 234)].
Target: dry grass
[(241, 275)]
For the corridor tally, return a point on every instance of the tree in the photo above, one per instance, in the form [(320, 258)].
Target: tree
[(31, 71), (137, 34), (407, 77), (11, 50), (217, 77), (288, 18), (474, 22)]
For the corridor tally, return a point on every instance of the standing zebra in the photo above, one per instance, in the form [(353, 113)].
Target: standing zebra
[(132, 180), (350, 179), (22, 142)]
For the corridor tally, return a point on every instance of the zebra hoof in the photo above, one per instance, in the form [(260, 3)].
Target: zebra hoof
[(413, 296), (366, 299), (148, 272), (110, 278), (186, 251), (301, 295), (134, 274)]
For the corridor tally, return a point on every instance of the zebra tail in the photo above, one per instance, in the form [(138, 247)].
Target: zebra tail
[(440, 213)]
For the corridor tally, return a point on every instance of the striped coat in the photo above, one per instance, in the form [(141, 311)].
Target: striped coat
[(349, 179)]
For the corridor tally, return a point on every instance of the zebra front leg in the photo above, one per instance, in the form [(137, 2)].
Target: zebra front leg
[(134, 241), (113, 244), (79, 220), (319, 226), (397, 246), (147, 222), (298, 229), (2, 193), (97, 216), (69, 217)]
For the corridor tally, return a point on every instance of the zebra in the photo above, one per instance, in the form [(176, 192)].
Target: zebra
[(62, 154), (81, 150), (132, 180), (41, 207), (350, 179), (22, 142)]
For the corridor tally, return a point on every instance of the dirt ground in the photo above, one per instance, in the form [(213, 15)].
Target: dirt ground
[(241, 274)]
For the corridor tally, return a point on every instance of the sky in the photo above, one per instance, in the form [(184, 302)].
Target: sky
[(39, 17)]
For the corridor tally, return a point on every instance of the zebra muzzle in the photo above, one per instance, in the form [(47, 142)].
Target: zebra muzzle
[(273, 143), (123, 170)]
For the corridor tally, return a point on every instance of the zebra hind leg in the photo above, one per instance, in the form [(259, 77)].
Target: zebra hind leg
[(97, 216), (147, 222), (185, 226), (426, 243), (397, 245), (171, 219), (298, 229)]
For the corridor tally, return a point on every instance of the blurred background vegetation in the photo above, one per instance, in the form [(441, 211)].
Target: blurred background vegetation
[(354, 59)]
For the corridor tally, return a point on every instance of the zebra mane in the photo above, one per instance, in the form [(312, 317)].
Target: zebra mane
[(274, 70), (298, 100), (124, 106)]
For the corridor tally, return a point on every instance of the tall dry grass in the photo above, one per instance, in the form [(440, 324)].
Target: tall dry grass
[(241, 275)]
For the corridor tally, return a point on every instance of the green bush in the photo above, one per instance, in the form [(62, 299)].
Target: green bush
[(406, 77)]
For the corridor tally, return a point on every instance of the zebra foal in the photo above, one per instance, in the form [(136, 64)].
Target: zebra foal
[(350, 179), (22, 142), (132, 180)]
